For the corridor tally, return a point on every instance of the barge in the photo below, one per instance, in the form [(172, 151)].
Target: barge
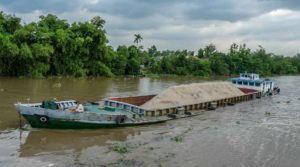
[(197, 96), (173, 103)]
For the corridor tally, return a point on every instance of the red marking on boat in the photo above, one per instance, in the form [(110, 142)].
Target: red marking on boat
[(247, 91)]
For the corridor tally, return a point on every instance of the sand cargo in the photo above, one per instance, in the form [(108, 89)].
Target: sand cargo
[(195, 96)]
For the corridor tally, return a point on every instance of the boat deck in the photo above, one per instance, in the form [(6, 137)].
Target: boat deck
[(108, 111)]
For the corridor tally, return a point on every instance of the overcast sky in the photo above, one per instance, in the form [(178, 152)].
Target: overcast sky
[(180, 24)]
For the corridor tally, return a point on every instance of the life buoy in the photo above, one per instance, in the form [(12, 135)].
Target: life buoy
[(43, 119)]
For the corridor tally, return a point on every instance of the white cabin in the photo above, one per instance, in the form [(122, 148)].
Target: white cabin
[(252, 81)]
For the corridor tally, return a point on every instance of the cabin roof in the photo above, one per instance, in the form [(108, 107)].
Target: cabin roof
[(192, 94), (248, 80)]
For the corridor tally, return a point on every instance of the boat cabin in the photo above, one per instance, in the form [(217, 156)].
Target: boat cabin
[(251, 81), (55, 105)]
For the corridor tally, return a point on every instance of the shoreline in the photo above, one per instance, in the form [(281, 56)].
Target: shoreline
[(142, 76)]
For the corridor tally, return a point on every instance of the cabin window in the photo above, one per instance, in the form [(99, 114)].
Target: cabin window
[(240, 82), (127, 107), (257, 84), (113, 104), (134, 109), (160, 112), (234, 82), (141, 111), (153, 113), (251, 83), (245, 83)]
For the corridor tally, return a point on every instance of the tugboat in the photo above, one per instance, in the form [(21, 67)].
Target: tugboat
[(250, 82)]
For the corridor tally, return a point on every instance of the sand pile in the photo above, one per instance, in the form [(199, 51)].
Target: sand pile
[(192, 94)]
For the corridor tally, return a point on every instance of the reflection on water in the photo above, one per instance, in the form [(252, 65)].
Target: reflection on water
[(43, 141), (241, 135)]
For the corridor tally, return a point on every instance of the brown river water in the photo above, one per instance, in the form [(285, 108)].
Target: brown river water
[(260, 133)]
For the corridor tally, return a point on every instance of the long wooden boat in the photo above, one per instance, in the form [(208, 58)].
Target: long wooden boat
[(61, 115)]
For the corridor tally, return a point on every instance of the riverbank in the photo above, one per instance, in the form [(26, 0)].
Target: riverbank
[(150, 75)]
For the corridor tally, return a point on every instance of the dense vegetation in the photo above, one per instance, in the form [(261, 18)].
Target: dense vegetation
[(53, 47)]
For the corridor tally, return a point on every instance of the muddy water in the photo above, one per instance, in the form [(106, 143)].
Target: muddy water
[(240, 135)]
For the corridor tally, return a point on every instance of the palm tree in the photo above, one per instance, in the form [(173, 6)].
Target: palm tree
[(137, 38)]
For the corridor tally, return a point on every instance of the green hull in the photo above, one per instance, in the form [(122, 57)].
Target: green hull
[(56, 123)]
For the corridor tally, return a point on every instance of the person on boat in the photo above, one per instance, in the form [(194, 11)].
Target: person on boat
[(79, 107)]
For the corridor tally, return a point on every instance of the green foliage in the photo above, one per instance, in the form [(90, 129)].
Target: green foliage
[(137, 38), (177, 139), (53, 47), (120, 149), (218, 64), (296, 62)]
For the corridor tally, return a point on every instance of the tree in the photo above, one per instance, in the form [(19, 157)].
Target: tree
[(209, 50), (201, 53), (9, 23), (137, 39), (152, 51), (296, 62), (52, 23), (98, 22), (218, 65)]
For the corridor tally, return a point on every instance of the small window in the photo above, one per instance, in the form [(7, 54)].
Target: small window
[(141, 111), (127, 107), (234, 81), (240, 82), (245, 83), (153, 113), (251, 83), (257, 84), (134, 109)]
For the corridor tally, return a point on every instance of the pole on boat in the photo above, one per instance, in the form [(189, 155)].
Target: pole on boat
[(20, 121)]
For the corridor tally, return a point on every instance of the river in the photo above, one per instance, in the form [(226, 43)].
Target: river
[(259, 133)]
